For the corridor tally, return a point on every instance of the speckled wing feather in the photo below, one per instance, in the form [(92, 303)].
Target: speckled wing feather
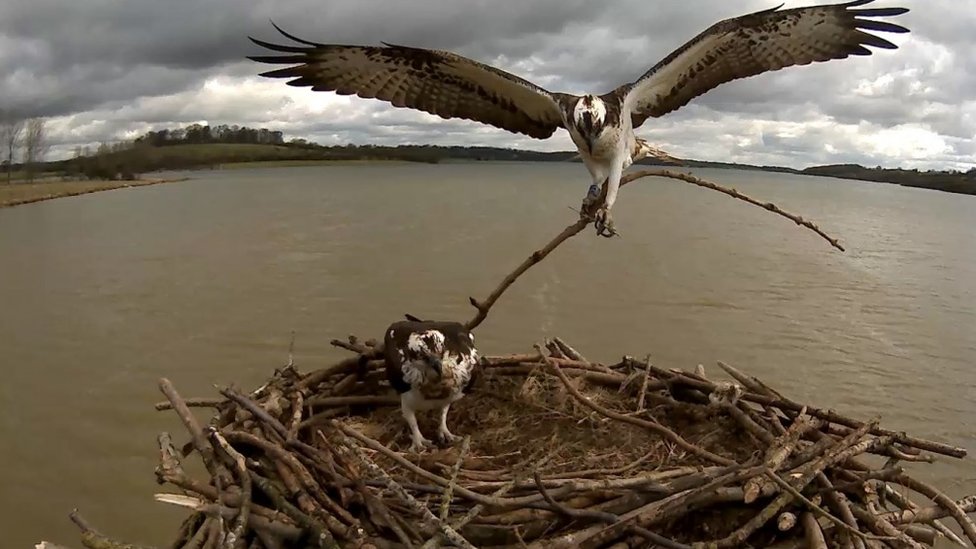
[(437, 82), (751, 44)]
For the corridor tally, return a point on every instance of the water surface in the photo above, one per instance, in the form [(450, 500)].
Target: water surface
[(203, 281)]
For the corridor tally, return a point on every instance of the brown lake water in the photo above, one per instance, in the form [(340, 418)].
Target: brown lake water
[(203, 281)]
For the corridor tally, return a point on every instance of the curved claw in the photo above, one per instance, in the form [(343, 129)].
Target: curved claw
[(604, 224), (447, 438), (420, 446)]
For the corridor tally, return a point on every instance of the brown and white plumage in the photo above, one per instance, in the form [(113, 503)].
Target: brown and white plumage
[(601, 126), (438, 82), (752, 44), (431, 365)]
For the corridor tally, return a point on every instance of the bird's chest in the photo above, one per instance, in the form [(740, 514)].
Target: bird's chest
[(607, 144), (432, 386), (604, 146), (440, 388)]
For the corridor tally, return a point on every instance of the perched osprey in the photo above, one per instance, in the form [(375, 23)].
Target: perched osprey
[(431, 365), (601, 126)]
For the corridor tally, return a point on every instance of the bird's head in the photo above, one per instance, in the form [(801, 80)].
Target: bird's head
[(589, 116)]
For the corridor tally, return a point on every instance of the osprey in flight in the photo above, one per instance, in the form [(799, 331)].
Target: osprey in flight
[(602, 126)]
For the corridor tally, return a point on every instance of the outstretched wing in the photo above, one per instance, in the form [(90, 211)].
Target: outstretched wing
[(438, 82), (751, 44)]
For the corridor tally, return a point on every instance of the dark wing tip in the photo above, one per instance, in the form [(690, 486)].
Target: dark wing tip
[(862, 25), (880, 12), (282, 47), (876, 41), (277, 59), (278, 47), (880, 26), (295, 38)]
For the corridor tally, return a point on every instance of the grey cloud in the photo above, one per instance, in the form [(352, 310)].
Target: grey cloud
[(115, 68)]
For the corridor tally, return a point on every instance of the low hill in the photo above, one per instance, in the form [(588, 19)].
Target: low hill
[(954, 182), (143, 157)]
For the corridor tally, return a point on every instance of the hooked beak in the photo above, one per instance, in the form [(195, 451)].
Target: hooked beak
[(437, 365)]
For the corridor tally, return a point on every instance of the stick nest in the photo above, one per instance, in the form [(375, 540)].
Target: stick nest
[(557, 451)]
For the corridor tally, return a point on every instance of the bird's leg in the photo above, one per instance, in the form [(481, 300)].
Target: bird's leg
[(604, 223), (589, 201), (419, 443), (443, 433)]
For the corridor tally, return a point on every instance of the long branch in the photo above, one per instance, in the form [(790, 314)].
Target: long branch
[(572, 230), (688, 178)]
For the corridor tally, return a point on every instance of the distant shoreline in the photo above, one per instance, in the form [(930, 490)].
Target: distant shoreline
[(18, 194), (298, 163), (939, 181)]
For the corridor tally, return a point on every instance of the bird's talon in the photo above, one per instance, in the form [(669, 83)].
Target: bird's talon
[(448, 438), (419, 446), (604, 224)]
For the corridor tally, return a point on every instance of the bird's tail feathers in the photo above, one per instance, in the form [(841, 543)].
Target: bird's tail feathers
[(644, 150)]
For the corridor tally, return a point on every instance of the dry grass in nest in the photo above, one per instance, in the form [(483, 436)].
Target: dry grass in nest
[(512, 419)]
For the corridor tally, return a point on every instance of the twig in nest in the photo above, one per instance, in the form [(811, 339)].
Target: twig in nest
[(449, 491), (439, 480), (955, 511), (256, 410), (814, 534), (817, 509), (305, 478), (272, 524), (569, 351), (643, 391), (895, 536), (781, 449), (651, 513), (473, 513), (928, 514), (235, 539), (203, 533), (788, 405), (602, 516), (653, 426), (92, 538), (566, 510), (297, 407), (192, 403), (839, 503), (321, 535), (200, 443), (450, 533), (844, 449), (904, 503)]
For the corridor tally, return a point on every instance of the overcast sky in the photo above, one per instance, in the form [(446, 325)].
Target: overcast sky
[(105, 70)]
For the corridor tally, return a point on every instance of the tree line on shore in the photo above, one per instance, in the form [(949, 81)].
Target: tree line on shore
[(203, 146), (25, 139)]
